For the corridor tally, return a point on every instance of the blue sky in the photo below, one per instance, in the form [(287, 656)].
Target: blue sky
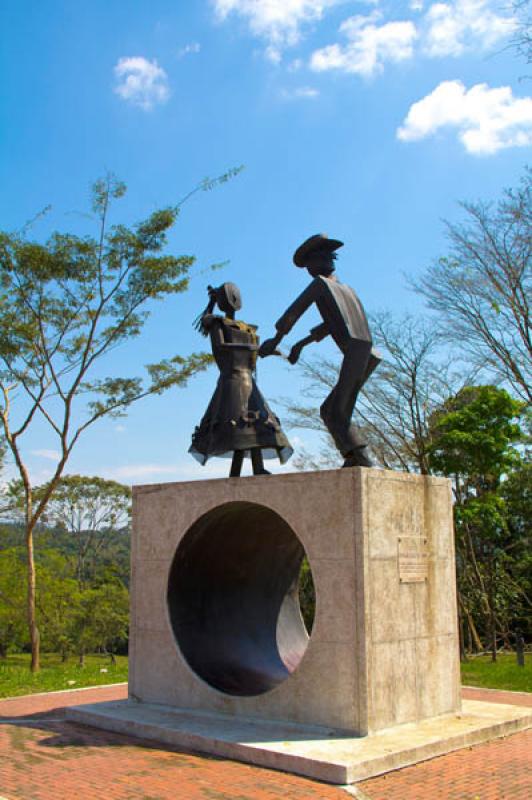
[(366, 120)]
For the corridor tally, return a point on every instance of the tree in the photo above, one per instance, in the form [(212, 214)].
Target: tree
[(394, 410), (473, 438), (109, 617), (13, 629), (89, 510), (482, 290), (64, 305), (100, 619), (522, 38), (57, 602), (516, 492), (78, 619)]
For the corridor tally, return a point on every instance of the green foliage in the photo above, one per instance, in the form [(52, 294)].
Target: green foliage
[(473, 440), (100, 619), (73, 618), (89, 510), (83, 516), (66, 304), (13, 623), (82, 599), (473, 434), (516, 491), (58, 596), (78, 619)]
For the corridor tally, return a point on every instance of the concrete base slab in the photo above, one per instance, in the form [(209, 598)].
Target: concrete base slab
[(319, 753)]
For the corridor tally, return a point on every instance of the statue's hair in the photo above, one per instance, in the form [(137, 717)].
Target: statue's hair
[(199, 322)]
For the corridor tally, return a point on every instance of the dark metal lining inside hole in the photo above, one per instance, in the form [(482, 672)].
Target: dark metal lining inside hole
[(233, 599)]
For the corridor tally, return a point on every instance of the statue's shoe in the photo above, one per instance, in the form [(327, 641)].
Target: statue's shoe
[(359, 458)]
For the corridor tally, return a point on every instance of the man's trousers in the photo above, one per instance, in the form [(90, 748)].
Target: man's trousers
[(336, 412)]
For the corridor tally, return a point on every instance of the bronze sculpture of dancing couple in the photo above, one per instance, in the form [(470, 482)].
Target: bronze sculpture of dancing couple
[(238, 420)]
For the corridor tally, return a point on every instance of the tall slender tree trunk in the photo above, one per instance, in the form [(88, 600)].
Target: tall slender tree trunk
[(473, 631), (469, 646), (461, 643), (493, 638), (461, 627), (492, 617), (32, 619)]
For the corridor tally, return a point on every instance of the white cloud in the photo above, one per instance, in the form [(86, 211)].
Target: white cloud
[(301, 92), (273, 54), (52, 455), (188, 49), (295, 65), (137, 471), (450, 29), (445, 28), (370, 45), (143, 83), (279, 22), (487, 120), (150, 472), (188, 470), (37, 476)]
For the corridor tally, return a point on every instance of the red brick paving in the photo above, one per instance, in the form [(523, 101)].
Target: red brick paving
[(44, 757), (32, 704), (499, 770), (495, 696)]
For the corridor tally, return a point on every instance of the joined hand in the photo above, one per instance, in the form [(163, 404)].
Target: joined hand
[(294, 354), (268, 347)]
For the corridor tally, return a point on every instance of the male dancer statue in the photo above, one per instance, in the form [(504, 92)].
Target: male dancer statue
[(345, 320)]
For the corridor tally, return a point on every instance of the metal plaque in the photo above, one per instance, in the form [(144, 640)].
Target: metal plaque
[(413, 555)]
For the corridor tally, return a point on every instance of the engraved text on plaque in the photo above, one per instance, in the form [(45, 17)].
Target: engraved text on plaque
[(413, 556)]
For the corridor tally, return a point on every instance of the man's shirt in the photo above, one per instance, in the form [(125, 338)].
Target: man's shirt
[(343, 315)]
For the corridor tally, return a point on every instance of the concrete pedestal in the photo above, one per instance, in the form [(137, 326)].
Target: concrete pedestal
[(383, 649), (216, 630)]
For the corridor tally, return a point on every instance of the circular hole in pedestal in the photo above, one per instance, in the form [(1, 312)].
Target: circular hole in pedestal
[(234, 598)]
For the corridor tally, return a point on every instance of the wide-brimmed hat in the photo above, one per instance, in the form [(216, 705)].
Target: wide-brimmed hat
[(320, 241)]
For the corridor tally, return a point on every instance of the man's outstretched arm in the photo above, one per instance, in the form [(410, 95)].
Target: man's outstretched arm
[(269, 346), (316, 335), (285, 323)]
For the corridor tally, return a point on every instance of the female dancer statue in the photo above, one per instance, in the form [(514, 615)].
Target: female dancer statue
[(238, 421)]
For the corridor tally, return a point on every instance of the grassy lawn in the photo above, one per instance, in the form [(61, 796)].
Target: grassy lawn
[(16, 678), (503, 674)]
